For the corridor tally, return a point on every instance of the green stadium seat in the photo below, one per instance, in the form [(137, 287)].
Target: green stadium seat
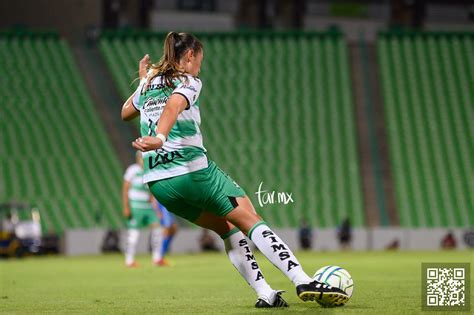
[(427, 84), (56, 152)]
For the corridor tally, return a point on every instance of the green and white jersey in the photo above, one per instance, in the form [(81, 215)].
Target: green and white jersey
[(183, 152), (138, 193)]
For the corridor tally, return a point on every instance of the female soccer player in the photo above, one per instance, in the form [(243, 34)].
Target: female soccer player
[(187, 183)]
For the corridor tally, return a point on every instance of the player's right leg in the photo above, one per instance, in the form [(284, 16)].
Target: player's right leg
[(243, 259), (168, 235), (169, 230)]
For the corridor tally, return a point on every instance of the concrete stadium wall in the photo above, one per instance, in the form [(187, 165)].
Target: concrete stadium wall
[(70, 18), (89, 242), (202, 22)]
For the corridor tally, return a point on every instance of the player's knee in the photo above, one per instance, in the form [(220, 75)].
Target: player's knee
[(243, 218)]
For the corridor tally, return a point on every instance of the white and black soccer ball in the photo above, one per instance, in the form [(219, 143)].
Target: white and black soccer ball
[(336, 276)]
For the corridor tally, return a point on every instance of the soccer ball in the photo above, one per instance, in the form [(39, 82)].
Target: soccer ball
[(335, 276)]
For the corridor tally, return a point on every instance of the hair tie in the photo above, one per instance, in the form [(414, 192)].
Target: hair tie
[(178, 44)]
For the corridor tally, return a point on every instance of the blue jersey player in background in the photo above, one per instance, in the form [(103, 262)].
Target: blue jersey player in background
[(169, 226)]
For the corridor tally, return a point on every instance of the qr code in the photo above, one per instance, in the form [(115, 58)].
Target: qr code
[(446, 287)]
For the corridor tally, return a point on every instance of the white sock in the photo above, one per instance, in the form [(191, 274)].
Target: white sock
[(131, 245), (241, 256), (278, 253), (156, 243)]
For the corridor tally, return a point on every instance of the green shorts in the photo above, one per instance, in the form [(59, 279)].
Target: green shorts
[(188, 195), (142, 218)]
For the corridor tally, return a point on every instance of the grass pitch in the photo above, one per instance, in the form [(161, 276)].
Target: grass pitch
[(385, 282)]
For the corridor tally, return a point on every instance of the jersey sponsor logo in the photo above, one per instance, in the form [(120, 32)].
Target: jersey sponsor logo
[(153, 107), (163, 158), (153, 87), (153, 102)]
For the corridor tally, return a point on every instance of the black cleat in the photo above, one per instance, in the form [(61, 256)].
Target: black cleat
[(322, 293), (264, 302)]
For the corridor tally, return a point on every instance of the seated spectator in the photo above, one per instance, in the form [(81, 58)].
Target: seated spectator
[(449, 241), (305, 235), (345, 234), (394, 245), (207, 242)]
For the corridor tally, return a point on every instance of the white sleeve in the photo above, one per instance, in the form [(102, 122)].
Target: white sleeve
[(129, 173), (190, 90), (136, 97)]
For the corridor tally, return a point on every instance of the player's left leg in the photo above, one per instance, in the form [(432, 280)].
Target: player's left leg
[(243, 259)]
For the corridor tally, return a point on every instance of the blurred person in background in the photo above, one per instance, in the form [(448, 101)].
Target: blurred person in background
[(469, 238), (139, 212), (394, 245), (111, 242), (345, 234), (170, 228), (449, 241), (305, 235), (7, 224), (207, 242)]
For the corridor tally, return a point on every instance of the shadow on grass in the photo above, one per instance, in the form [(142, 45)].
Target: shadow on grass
[(301, 309)]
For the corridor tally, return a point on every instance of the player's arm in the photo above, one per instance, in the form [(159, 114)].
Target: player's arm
[(174, 106), (129, 111), (125, 201)]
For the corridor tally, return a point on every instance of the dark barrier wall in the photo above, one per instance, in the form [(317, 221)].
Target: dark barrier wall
[(71, 18)]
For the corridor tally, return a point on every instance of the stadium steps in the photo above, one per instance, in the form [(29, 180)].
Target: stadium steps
[(55, 151), (427, 82), (372, 148), (276, 108), (105, 95)]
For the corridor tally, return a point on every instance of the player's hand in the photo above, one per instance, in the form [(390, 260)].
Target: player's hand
[(147, 143), (143, 66)]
